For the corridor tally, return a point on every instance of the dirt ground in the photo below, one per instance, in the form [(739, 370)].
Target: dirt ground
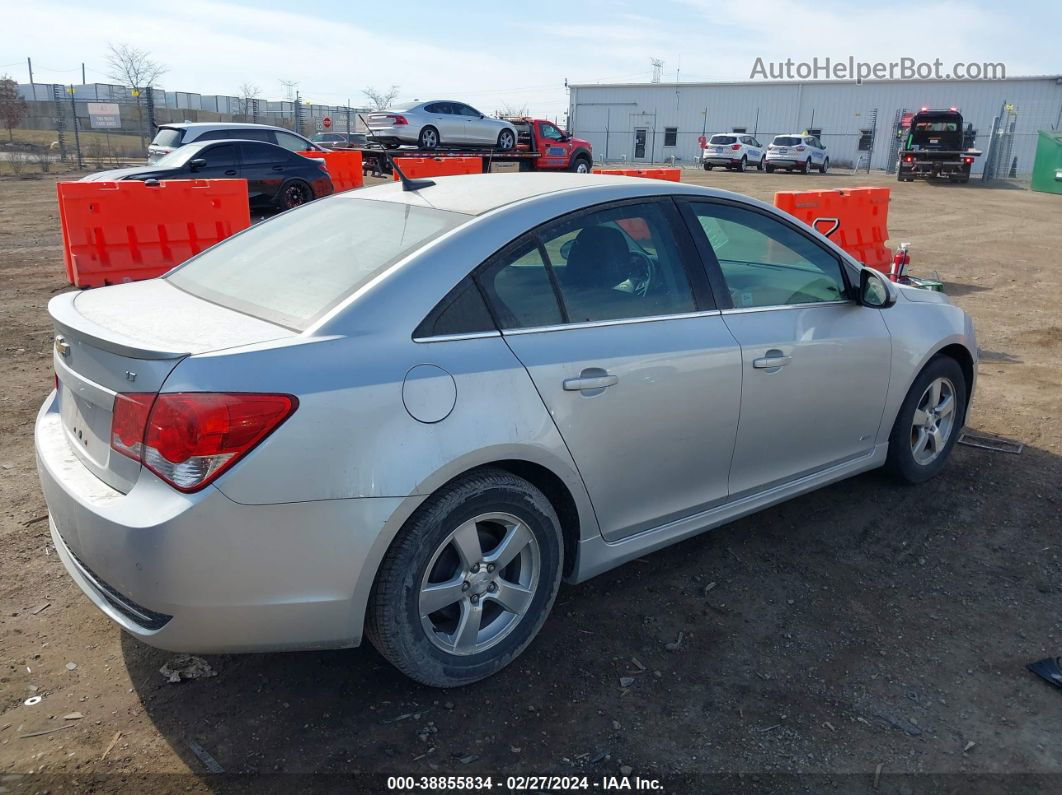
[(853, 635)]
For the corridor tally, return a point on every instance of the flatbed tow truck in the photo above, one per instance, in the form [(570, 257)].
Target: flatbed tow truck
[(935, 147), (540, 146)]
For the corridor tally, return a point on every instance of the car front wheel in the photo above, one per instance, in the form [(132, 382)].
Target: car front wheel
[(469, 580), (929, 421)]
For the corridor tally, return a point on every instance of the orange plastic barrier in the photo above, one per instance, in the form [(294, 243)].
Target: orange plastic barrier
[(343, 167), (670, 174), (117, 232), (859, 218), (418, 167)]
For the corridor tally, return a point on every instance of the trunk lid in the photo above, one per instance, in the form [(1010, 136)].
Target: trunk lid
[(128, 338)]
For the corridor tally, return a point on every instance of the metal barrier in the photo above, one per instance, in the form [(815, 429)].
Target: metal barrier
[(117, 232)]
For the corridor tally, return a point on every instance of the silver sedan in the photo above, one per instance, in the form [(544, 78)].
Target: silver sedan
[(407, 414), (440, 123)]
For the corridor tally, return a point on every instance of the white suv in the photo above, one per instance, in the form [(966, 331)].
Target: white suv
[(732, 150), (173, 136), (796, 152)]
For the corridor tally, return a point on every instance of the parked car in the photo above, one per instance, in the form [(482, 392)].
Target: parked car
[(275, 176), (407, 412), (733, 150), (173, 136), (797, 153), (439, 123), (333, 140)]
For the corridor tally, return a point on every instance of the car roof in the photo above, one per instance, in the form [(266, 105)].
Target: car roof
[(214, 125), (476, 194)]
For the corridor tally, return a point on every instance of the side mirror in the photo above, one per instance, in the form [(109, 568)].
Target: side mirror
[(875, 290), (197, 163)]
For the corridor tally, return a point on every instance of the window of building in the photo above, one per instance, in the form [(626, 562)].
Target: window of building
[(671, 136), (739, 129), (816, 131), (866, 140)]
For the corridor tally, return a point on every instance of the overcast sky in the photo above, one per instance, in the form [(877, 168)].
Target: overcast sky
[(472, 52)]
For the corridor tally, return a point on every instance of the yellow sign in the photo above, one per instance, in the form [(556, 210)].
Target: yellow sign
[(135, 93)]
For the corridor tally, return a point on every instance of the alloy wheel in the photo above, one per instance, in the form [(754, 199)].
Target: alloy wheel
[(933, 422), (479, 583)]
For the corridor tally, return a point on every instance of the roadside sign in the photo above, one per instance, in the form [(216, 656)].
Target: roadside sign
[(104, 115), (702, 141), (327, 122)]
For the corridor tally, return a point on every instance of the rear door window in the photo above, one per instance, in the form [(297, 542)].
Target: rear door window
[(258, 154), (291, 142)]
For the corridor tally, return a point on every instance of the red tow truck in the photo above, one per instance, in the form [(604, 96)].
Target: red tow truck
[(540, 146)]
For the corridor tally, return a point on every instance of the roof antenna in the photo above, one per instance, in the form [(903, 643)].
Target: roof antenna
[(407, 183)]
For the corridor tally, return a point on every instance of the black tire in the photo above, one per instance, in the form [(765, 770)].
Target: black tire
[(393, 621), (825, 166), (901, 461), (506, 140), (742, 164), (806, 168), (708, 166), (760, 165), (294, 194), (768, 168), (581, 165), (429, 138)]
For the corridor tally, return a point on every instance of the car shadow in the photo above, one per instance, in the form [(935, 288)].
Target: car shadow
[(797, 620)]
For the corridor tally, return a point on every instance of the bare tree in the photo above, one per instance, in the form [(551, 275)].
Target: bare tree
[(249, 92), (381, 100), (508, 110), (134, 69), (13, 108)]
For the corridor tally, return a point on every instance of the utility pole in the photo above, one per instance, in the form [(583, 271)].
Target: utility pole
[(33, 88), (83, 82), (77, 136)]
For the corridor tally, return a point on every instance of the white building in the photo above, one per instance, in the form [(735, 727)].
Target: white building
[(655, 122)]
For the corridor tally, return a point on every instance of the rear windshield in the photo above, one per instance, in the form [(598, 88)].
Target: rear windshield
[(293, 268), (167, 136), (788, 140), (723, 139)]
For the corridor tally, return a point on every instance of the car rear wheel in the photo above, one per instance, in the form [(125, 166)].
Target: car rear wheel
[(929, 421), (707, 166), (506, 140), (825, 166), (469, 580), (428, 138), (769, 168), (804, 169), (294, 194), (743, 163)]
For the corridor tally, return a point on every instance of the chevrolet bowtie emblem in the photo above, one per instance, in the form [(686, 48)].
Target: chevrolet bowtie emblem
[(62, 347)]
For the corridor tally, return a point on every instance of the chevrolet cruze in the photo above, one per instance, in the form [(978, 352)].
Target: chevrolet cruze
[(409, 412)]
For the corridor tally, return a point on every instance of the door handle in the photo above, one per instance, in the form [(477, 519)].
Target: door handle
[(587, 382), (230, 173), (278, 168), (770, 362)]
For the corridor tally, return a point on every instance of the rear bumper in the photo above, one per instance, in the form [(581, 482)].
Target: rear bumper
[(784, 162), (402, 133), (201, 573)]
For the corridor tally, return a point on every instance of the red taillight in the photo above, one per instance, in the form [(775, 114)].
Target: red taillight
[(735, 147), (908, 159), (968, 160), (128, 420), (190, 438), (397, 119), (800, 148)]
